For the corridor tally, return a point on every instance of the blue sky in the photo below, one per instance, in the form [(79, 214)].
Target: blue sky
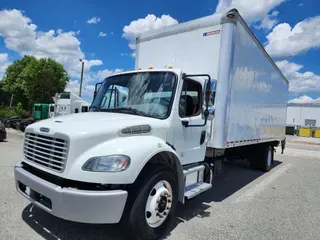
[(100, 32)]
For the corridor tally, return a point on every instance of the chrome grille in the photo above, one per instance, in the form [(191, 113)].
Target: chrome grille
[(46, 151)]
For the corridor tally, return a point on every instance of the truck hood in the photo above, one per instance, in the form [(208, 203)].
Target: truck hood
[(83, 132), (92, 125)]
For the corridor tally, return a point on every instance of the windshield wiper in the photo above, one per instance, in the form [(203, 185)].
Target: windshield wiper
[(95, 108), (129, 110)]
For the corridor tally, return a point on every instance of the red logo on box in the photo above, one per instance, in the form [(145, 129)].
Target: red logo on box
[(211, 33)]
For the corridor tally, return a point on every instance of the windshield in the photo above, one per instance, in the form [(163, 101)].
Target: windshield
[(146, 93), (65, 95)]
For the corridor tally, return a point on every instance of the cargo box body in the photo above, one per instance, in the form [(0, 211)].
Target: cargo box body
[(251, 95)]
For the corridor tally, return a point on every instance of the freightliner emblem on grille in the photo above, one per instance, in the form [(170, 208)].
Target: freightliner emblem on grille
[(44, 129)]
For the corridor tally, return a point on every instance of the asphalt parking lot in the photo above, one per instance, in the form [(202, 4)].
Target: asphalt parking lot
[(243, 204)]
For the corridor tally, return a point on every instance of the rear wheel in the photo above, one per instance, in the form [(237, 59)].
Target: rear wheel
[(153, 209), (262, 158), (267, 159)]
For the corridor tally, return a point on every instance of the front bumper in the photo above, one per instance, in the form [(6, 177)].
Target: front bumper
[(70, 203)]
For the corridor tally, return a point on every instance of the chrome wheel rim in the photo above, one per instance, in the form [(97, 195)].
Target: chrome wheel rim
[(269, 158), (158, 204)]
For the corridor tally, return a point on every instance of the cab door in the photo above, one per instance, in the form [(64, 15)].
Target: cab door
[(189, 141)]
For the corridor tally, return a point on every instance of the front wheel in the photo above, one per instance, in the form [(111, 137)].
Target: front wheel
[(154, 207)]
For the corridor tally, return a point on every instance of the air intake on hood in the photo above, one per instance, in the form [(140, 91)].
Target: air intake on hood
[(134, 130)]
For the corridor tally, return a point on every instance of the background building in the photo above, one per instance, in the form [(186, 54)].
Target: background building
[(303, 120), (303, 115)]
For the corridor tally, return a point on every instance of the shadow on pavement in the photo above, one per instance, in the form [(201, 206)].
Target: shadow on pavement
[(234, 177)]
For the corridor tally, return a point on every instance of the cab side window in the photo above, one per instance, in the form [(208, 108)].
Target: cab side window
[(190, 99), (84, 109)]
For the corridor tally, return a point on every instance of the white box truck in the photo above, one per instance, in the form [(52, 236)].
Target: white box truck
[(67, 103), (204, 91)]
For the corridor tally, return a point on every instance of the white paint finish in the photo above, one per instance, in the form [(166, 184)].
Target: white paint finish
[(187, 140), (219, 134), (258, 93), (96, 134), (297, 114), (189, 50), (210, 20), (256, 189)]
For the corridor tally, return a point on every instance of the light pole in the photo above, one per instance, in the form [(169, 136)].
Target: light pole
[(81, 76)]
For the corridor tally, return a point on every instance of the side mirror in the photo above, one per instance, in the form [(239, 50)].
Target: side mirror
[(97, 87), (209, 96), (207, 93)]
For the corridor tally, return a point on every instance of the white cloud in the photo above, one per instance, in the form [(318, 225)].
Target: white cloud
[(102, 34), (300, 5), (252, 11), (289, 68), (88, 86), (269, 21), (93, 20), (74, 86), (102, 74), (304, 99), (299, 82), (150, 22), (4, 63), (285, 41), (21, 35)]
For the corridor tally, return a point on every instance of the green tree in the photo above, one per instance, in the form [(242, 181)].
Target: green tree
[(14, 80), (34, 80)]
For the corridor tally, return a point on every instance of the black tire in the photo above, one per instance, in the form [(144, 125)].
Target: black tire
[(135, 216), (267, 163), (259, 158)]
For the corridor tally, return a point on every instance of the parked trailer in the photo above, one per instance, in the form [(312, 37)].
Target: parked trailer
[(207, 91), (40, 111)]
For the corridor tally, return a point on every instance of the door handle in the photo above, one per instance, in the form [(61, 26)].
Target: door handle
[(185, 123), (202, 137)]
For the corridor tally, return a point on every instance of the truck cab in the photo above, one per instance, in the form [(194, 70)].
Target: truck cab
[(67, 103), (92, 158)]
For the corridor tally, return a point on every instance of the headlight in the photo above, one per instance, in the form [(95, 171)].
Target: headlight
[(111, 163)]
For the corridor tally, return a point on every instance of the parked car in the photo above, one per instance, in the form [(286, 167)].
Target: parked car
[(3, 132), (13, 123), (7, 121), (24, 123)]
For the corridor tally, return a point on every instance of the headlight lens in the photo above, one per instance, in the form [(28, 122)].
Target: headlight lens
[(112, 163)]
